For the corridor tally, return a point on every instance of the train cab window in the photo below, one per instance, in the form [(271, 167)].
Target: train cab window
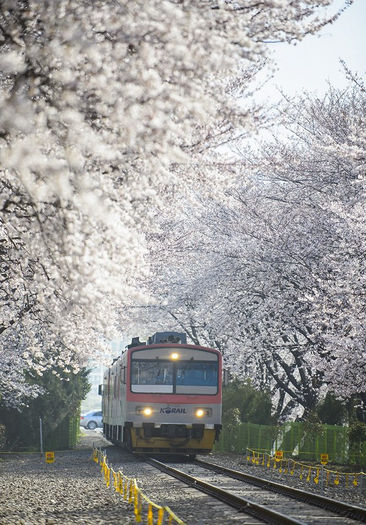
[(197, 377), (190, 371), (151, 376)]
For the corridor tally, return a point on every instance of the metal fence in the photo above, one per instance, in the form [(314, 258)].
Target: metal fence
[(295, 439), (65, 436)]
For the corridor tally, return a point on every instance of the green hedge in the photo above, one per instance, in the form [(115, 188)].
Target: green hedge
[(295, 439)]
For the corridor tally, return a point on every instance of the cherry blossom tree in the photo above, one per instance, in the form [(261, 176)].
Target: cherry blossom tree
[(102, 107), (274, 270), (335, 128)]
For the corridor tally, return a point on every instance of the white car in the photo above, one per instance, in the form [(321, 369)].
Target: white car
[(92, 420)]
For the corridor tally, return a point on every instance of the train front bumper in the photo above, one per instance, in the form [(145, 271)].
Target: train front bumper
[(174, 438)]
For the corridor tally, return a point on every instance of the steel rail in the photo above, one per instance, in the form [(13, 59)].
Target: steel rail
[(244, 505), (338, 507)]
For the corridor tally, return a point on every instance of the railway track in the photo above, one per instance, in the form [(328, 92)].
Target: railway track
[(266, 501)]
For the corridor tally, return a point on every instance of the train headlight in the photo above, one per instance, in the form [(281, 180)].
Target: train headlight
[(144, 411), (174, 356), (201, 412)]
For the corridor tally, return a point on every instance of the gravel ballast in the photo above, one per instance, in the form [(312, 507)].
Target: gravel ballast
[(72, 491), (353, 495)]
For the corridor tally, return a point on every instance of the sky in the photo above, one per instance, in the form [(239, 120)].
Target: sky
[(309, 64)]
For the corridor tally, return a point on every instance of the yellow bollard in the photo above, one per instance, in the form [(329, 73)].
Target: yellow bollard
[(114, 474), (130, 495), (160, 517), (137, 507), (309, 474), (120, 483), (150, 515), (327, 480)]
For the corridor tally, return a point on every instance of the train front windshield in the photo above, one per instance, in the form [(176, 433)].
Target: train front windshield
[(189, 373)]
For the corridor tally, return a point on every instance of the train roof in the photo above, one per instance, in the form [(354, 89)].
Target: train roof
[(173, 345), (163, 340), (160, 337)]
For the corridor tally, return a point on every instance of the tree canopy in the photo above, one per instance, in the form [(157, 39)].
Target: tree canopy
[(107, 112), (273, 271)]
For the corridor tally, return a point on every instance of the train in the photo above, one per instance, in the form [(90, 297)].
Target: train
[(163, 396)]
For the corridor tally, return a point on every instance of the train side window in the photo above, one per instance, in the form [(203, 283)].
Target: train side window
[(109, 384), (123, 375), (115, 386), (151, 376)]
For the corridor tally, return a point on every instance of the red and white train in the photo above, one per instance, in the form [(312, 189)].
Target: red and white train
[(164, 396)]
